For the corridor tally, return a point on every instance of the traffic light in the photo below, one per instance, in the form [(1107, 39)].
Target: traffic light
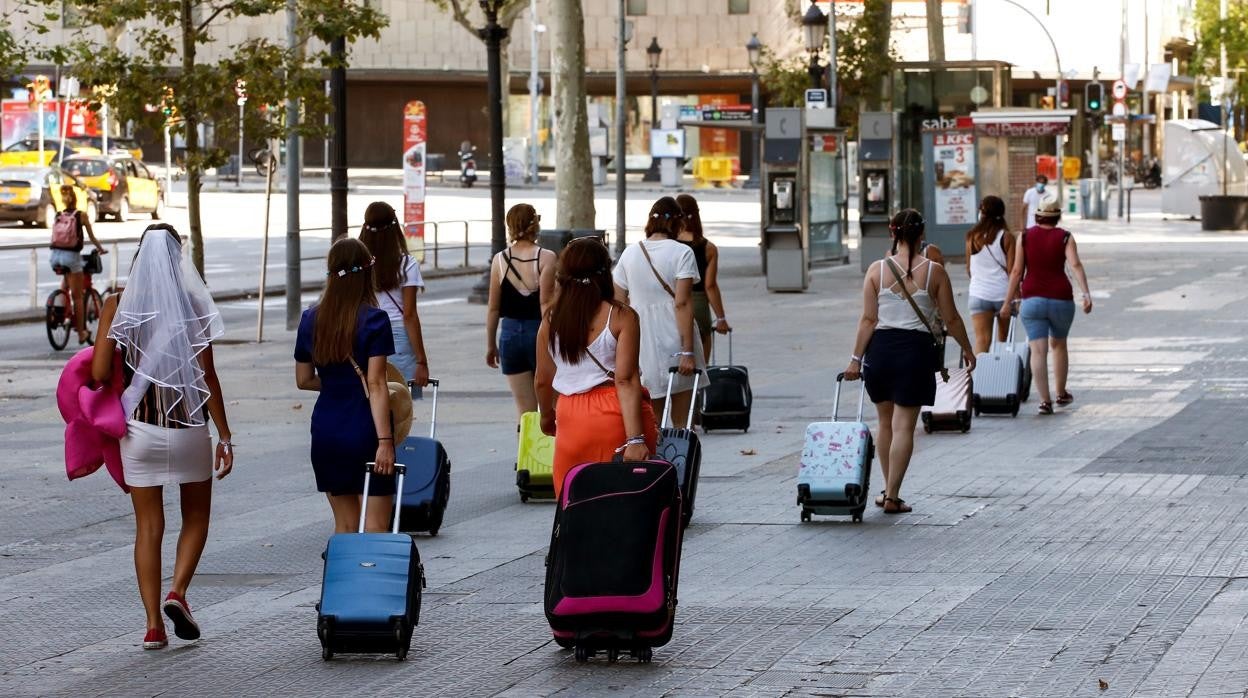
[(1094, 97), (167, 107)]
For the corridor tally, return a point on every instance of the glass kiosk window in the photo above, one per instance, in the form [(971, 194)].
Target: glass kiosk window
[(876, 193)]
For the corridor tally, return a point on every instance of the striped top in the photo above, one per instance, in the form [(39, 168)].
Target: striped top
[(154, 407)]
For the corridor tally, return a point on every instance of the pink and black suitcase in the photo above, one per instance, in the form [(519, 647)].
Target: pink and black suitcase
[(613, 565)]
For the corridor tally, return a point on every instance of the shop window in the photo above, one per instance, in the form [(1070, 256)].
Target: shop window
[(635, 7), (738, 7)]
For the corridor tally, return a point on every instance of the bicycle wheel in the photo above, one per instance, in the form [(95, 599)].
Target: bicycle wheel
[(94, 307), (56, 317)]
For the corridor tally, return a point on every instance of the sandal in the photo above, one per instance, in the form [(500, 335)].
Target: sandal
[(1065, 398), (879, 501), (1046, 408), (901, 508)]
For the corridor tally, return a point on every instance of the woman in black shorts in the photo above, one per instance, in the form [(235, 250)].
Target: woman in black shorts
[(894, 350), (522, 286)]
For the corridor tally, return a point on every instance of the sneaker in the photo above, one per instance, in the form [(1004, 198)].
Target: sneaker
[(155, 639), (184, 626)]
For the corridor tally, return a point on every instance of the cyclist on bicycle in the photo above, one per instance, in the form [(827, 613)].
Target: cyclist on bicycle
[(67, 244)]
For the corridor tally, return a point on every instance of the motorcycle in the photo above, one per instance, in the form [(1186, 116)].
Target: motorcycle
[(467, 164)]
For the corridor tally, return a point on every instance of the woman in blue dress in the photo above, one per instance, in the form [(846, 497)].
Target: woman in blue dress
[(342, 345)]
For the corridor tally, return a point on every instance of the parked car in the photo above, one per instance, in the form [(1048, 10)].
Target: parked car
[(124, 185), (26, 151), (33, 194), (117, 146)]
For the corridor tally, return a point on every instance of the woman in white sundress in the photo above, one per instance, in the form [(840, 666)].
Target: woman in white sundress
[(656, 277)]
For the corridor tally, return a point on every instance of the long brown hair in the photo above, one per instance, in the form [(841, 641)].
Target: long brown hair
[(991, 220), (665, 217), (349, 286), (383, 236), (523, 223), (68, 197), (907, 226), (693, 218), (584, 277)]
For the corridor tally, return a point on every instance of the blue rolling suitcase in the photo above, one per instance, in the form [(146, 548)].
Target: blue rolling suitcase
[(428, 486), (370, 594), (681, 448), (834, 477)]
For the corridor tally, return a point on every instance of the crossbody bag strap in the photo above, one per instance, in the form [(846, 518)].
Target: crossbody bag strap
[(360, 373), (657, 275), (905, 292), (609, 372), (1001, 237), (507, 259)]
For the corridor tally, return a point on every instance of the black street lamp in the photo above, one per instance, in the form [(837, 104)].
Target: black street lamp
[(338, 152), (493, 34), (653, 53), (754, 48), (815, 31)]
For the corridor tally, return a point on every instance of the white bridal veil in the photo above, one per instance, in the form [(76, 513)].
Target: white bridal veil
[(165, 318)]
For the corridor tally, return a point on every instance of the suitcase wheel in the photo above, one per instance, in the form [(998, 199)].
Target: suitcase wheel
[(806, 514), (644, 654), (613, 655), (327, 654), (857, 514), (583, 654), (433, 532), (523, 498)]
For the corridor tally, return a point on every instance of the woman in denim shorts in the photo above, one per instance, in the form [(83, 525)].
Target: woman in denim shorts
[(1048, 307), (67, 259), (989, 254)]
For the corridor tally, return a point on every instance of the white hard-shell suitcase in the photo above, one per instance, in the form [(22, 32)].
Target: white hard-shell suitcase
[(1016, 343), (998, 380), (834, 476)]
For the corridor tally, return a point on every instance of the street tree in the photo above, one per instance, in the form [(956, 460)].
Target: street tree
[(183, 74), (472, 21), (1212, 35), (935, 31), (574, 188)]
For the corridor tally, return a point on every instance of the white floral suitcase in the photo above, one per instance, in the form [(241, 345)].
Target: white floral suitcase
[(834, 476)]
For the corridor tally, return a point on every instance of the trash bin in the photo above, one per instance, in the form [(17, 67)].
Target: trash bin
[(1224, 212), (555, 239), (1092, 199), (786, 259)]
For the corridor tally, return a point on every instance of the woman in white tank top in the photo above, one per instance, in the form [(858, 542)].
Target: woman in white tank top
[(989, 256), (893, 349), (587, 349)]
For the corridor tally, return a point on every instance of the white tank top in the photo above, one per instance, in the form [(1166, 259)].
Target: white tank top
[(895, 312), (585, 375), (989, 278)]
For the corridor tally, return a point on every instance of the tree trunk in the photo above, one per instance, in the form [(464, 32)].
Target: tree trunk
[(935, 31), (878, 22), (191, 125), (574, 188)]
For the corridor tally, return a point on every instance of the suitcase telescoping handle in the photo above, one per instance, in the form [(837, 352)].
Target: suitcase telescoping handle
[(401, 470), (713, 348), (836, 396), (1009, 334), (667, 398), (433, 411)]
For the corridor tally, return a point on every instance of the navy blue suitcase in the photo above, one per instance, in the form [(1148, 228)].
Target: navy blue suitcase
[(370, 593), (681, 448), (428, 485)]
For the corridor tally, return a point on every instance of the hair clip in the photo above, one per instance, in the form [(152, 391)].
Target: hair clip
[(353, 270)]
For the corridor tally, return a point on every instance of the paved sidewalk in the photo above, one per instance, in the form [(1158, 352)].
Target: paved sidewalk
[(1045, 555)]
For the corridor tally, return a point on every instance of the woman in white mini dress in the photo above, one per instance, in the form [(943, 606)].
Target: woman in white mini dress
[(656, 277), (163, 324)]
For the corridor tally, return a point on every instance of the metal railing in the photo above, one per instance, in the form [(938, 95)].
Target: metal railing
[(113, 245), (431, 253)]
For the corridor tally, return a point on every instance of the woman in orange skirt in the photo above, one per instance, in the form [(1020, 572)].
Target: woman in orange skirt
[(587, 354)]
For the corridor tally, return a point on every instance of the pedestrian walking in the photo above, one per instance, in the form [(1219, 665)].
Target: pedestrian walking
[(1031, 199), (989, 256), (340, 352), (897, 352), (66, 256), (588, 346), (522, 285), (655, 277), (164, 323), (397, 280), (1038, 275), (706, 292)]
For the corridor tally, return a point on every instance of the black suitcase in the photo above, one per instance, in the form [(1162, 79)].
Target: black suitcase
[(683, 449), (370, 590), (727, 400), (428, 486), (614, 560)]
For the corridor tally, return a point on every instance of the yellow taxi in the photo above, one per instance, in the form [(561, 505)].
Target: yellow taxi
[(123, 185), (121, 146), (26, 151), (32, 195)]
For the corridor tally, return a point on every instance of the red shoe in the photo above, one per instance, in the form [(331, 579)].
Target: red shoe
[(155, 639), (179, 611)]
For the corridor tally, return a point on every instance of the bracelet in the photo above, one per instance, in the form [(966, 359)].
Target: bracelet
[(854, 358), (632, 441), (229, 446), (682, 353), (385, 438)]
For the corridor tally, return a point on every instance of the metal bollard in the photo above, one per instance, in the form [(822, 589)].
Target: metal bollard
[(465, 244)]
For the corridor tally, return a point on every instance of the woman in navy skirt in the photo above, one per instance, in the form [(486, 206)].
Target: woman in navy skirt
[(894, 351), (342, 344)]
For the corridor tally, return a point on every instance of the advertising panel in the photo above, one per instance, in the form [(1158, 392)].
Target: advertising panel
[(414, 137), (953, 171)]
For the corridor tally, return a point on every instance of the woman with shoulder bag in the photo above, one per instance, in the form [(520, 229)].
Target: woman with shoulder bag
[(340, 352), (66, 256), (587, 354), (989, 255), (398, 282), (897, 351), (707, 296)]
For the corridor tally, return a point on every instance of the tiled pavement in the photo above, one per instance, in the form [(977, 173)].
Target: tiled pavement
[(1105, 544)]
